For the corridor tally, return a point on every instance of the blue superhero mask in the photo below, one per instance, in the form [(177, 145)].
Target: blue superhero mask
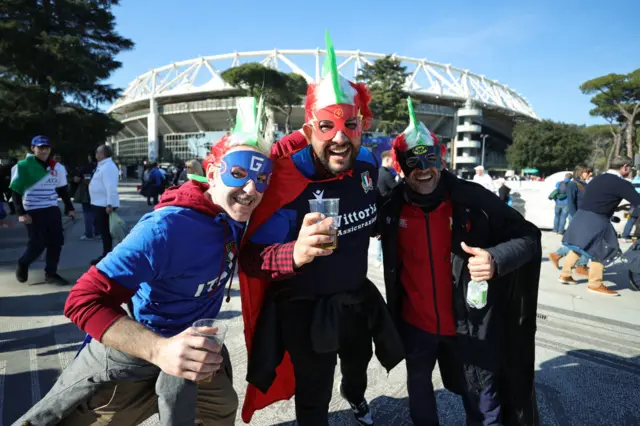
[(257, 167), (421, 157)]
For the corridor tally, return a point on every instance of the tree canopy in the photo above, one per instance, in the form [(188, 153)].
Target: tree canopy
[(281, 91), (386, 79), (55, 56), (616, 98), (548, 146)]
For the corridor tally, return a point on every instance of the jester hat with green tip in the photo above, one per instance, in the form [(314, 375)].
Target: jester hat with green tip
[(255, 164), (417, 147), (337, 100)]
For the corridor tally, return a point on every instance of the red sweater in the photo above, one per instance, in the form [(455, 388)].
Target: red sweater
[(424, 250)]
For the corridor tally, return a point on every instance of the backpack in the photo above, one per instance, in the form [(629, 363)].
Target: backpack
[(562, 189)]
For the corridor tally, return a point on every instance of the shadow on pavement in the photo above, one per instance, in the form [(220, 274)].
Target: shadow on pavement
[(587, 387), (33, 304), (38, 337), (19, 406)]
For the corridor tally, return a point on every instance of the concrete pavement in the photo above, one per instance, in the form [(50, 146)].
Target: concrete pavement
[(588, 346)]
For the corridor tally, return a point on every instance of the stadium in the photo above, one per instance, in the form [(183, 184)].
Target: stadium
[(174, 113)]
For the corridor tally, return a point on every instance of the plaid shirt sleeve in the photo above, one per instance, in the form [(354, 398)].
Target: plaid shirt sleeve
[(268, 262)]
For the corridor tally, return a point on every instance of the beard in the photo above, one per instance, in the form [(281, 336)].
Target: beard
[(335, 163)]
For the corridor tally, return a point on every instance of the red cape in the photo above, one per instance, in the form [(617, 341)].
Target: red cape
[(286, 184)]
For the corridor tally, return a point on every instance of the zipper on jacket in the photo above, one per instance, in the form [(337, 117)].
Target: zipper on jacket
[(433, 274)]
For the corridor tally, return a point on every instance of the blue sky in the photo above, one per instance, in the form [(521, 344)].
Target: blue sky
[(543, 49)]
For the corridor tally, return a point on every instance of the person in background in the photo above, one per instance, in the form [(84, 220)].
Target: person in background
[(103, 191), (591, 233), (153, 184), (575, 193), (559, 196), (386, 182), (194, 170), (37, 182), (504, 191), (3, 216), (634, 215), (180, 170), (5, 180), (81, 195), (483, 178)]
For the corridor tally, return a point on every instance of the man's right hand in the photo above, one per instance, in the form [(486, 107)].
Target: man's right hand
[(188, 355), (25, 218), (314, 231)]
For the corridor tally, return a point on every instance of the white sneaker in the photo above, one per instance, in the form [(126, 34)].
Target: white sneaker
[(85, 238)]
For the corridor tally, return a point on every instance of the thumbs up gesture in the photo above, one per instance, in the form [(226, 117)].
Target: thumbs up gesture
[(481, 264)]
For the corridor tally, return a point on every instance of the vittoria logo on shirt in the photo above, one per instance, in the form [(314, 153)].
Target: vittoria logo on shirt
[(318, 194), (367, 182)]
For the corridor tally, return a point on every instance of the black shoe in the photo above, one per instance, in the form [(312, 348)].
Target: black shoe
[(361, 411), (55, 279), (22, 272)]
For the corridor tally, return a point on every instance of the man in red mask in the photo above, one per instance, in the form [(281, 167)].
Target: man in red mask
[(305, 294)]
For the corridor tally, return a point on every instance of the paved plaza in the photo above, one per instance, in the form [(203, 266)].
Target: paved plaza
[(588, 346)]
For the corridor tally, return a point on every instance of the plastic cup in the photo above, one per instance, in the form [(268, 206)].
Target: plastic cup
[(330, 207), (211, 329)]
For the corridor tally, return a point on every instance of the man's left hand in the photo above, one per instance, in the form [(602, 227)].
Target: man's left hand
[(109, 209), (481, 264), (72, 214)]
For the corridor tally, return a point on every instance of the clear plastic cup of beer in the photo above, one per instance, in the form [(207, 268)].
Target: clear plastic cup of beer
[(211, 329), (330, 208)]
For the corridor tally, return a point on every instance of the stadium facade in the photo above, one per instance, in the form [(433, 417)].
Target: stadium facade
[(175, 112)]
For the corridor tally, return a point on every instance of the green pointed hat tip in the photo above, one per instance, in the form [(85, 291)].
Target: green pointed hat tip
[(248, 120), (330, 67), (412, 113)]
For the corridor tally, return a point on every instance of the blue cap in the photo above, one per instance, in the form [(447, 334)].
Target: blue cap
[(40, 141)]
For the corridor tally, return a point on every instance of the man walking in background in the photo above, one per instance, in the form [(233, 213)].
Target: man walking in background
[(386, 182), (590, 233), (36, 183), (484, 179), (575, 193), (83, 178), (103, 192), (559, 196)]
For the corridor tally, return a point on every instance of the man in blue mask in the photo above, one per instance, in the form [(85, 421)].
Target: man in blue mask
[(171, 270)]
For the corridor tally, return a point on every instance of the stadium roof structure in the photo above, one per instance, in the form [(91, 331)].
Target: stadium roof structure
[(441, 82)]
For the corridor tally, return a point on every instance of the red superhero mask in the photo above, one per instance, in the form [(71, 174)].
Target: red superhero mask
[(338, 115)]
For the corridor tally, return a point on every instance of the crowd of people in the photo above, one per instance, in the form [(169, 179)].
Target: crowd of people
[(461, 271)]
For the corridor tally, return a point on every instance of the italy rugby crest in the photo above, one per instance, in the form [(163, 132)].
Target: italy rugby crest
[(367, 182)]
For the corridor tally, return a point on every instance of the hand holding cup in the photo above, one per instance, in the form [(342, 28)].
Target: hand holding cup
[(315, 231)]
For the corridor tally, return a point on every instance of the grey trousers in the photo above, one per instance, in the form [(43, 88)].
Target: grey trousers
[(97, 364)]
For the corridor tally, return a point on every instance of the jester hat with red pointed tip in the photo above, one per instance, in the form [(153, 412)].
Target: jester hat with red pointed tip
[(338, 100), (417, 147)]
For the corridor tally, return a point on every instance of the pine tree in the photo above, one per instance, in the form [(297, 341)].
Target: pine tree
[(54, 58)]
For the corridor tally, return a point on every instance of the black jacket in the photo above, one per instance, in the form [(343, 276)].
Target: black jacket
[(268, 347), (501, 336), (386, 181)]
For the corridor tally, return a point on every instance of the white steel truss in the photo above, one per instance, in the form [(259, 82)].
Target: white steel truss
[(201, 75)]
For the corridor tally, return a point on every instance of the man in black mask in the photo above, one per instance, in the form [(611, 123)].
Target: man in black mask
[(461, 270)]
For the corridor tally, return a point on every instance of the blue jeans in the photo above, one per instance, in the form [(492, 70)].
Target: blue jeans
[(89, 224), (561, 214), (628, 227), (563, 251), (482, 406)]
